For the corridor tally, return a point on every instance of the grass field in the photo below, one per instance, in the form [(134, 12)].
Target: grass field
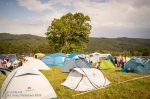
[(131, 89)]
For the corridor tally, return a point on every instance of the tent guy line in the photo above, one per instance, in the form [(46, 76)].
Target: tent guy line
[(111, 85)]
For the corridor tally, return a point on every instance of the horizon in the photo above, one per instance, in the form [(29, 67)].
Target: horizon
[(109, 18), (89, 36)]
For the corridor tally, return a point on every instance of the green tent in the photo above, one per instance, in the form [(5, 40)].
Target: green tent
[(106, 64)]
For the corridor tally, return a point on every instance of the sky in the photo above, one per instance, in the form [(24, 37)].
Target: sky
[(109, 18)]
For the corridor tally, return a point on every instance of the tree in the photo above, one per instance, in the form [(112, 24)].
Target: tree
[(69, 33)]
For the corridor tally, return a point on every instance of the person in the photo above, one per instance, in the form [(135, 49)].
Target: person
[(93, 63), (97, 65), (123, 60), (20, 63), (4, 63), (9, 64), (118, 60), (115, 61)]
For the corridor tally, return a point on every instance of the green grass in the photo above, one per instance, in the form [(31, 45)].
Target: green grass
[(133, 89)]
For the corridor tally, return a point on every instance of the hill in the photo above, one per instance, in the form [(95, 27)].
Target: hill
[(117, 44), (22, 38), (110, 44)]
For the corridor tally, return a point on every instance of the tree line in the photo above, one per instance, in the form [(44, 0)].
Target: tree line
[(24, 48)]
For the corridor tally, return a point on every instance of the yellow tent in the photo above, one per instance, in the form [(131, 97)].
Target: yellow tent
[(127, 58), (38, 55)]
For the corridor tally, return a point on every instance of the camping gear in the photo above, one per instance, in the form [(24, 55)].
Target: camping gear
[(74, 63), (26, 83), (83, 79)]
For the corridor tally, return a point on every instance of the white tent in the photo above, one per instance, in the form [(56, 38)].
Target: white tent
[(28, 58), (83, 79), (94, 57), (38, 64), (26, 83)]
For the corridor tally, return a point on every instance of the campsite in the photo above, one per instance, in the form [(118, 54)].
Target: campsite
[(75, 78), (74, 49)]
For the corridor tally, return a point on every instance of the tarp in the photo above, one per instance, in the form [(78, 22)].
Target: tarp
[(84, 79), (26, 83)]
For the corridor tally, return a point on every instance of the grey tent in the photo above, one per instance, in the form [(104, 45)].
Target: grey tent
[(3, 70), (75, 63)]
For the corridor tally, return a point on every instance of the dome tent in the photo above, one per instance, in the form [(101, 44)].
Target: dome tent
[(38, 64), (84, 79), (106, 64), (135, 67), (29, 82), (38, 55), (74, 63), (55, 59)]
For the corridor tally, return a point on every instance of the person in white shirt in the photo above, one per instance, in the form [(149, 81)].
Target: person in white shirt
[(8, 64)]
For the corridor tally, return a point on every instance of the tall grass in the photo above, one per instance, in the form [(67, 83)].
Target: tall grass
[(131, 89)]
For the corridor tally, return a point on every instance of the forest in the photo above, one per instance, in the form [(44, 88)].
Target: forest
[(29, 44)]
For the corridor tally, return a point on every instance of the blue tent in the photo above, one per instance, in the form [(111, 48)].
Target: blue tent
[(74, 63), (13, 59), (61, 54), (53, 59), (50, 61), (72, 55), (138, 60), (133, 66), (9, 56)]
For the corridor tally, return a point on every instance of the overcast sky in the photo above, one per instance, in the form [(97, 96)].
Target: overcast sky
[(109, 18)]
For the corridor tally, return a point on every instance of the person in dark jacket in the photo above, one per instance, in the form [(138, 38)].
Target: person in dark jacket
[(20, 63)]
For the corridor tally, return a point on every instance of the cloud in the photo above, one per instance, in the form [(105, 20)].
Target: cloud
[(35, 27), (107, 16), (35, 5), (115, 13)]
